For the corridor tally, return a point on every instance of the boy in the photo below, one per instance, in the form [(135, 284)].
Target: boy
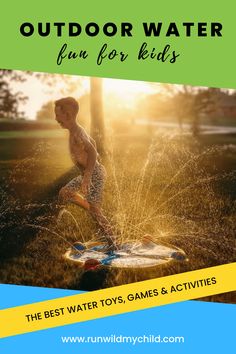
[(86, 189)]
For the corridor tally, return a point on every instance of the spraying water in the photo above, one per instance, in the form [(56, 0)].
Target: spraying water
[(169, 189)]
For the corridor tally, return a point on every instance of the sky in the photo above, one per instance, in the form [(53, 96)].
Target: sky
[(39, 93)]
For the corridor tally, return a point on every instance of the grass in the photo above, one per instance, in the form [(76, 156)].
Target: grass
[(176, 189), (40, 134)]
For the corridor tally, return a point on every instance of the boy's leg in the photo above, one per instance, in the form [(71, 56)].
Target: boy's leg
[(79, 200), (103, 223), (70, 193), (66, 195), (94, 198), (92, 204)]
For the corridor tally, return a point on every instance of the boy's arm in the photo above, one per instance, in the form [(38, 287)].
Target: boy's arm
[(91, 160)]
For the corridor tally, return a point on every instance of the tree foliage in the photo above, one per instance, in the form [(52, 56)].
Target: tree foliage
[(188, 103), (46, 112), (9, 101)]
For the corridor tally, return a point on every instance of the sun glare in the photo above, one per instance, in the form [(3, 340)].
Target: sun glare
[(126, 90)]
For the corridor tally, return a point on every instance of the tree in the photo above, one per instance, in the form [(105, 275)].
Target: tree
[(97, 127), (46, 111), (9, 101), (193, 102)]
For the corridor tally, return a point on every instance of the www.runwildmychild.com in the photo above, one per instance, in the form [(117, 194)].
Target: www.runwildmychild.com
[(111, 339)]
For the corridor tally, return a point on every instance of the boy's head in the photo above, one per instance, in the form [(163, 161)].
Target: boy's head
[(66, 110)]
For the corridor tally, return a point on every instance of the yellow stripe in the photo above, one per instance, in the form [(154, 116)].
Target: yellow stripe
[(189, 285)]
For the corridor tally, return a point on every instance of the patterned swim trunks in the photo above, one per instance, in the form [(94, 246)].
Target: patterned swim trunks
[(97, 184)]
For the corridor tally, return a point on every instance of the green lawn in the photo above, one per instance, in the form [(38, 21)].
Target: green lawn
[(168, 186), (32, 134)]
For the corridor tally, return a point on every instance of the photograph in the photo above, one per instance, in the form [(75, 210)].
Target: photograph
[(106, 182)]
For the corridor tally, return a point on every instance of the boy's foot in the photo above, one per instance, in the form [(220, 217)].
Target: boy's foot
[(112, 243)]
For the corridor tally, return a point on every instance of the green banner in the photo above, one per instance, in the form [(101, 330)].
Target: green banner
[(176, 42)]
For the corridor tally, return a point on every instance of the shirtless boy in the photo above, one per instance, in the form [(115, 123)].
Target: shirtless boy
[(86, 189)]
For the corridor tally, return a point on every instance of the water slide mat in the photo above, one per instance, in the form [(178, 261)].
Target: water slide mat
[(133, 254)]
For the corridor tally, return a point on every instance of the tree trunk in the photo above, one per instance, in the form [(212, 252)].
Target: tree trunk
[(195, 125), (97, 127)]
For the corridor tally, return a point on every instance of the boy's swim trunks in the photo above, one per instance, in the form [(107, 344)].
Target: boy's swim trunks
[(94, 195)]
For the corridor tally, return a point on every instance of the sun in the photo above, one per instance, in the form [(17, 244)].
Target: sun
[(126, 90)]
